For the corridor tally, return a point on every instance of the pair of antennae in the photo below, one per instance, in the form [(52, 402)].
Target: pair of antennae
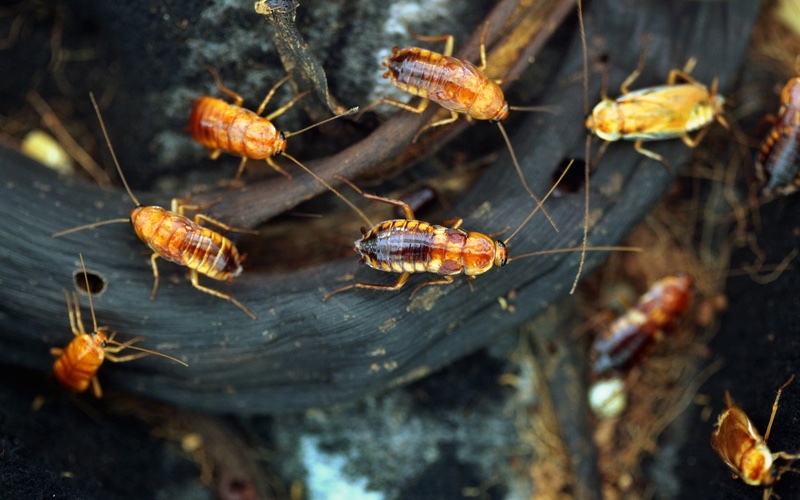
[(583, 248), (119, 170)]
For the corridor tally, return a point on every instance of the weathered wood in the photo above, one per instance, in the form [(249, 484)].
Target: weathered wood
[(301, 352)]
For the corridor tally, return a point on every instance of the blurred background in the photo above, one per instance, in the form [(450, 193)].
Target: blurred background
[(470, 390)]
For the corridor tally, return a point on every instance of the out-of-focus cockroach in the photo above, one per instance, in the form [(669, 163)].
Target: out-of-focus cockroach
[(176, 238), (778, 161), (78, 362), (744, 451), (407, 246), (222, 126), (656, 113), (455, 84), (628, 338)]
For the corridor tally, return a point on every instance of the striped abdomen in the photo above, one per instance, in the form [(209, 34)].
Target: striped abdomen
[(219, 125), (412, 246), (778, 163), (655, 113), (178, 239), (631, 335), (454, 84), (78, 364)]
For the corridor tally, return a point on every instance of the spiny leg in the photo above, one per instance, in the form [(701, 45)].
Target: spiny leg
[(438, 123), (638, 71), (155, 275), (482, 67), (56, 352), (683, 74), (775, 406), (75, 321), (278, 112), (237, 99), (419, 108), (653, 155), (444, 280), (96, 390), (277, 168), (371, 286), (239, 171), (453, 223), (180, 208), (272, 93), (386, 100), (196, 283), (409, 213), (199, 218), (447, 39), (692, 143)]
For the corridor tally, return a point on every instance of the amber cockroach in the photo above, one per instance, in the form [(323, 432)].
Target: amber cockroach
[(628, 338), (778, 161), (407, 246), (176, 238), (656, 113), (222, 126), (78, 362), (455, 84), (744, 451), (650, 114)]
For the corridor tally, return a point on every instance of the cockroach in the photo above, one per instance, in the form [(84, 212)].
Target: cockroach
[(455, 84), (77, 364), (778, 161), (631, 335), (744, 451), (649, 114), (222, 126), (656, 113), (407, 246), (176, 238)]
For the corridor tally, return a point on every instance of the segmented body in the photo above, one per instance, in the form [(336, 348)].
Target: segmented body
[(219, 125), (452, 83), (630, 335), (78, 363), (178, 239), (412, 246), (778, 161), (655, 113), (741, 446)]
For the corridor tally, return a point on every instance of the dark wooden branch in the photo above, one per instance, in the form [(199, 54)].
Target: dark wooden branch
[(302, 352)]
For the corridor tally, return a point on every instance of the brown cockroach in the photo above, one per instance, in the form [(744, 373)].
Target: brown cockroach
[(744, 451), (176, 238), (628, 337), (77, 364), (455, 84), (407, 246), (778, 161), (222, 126)]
